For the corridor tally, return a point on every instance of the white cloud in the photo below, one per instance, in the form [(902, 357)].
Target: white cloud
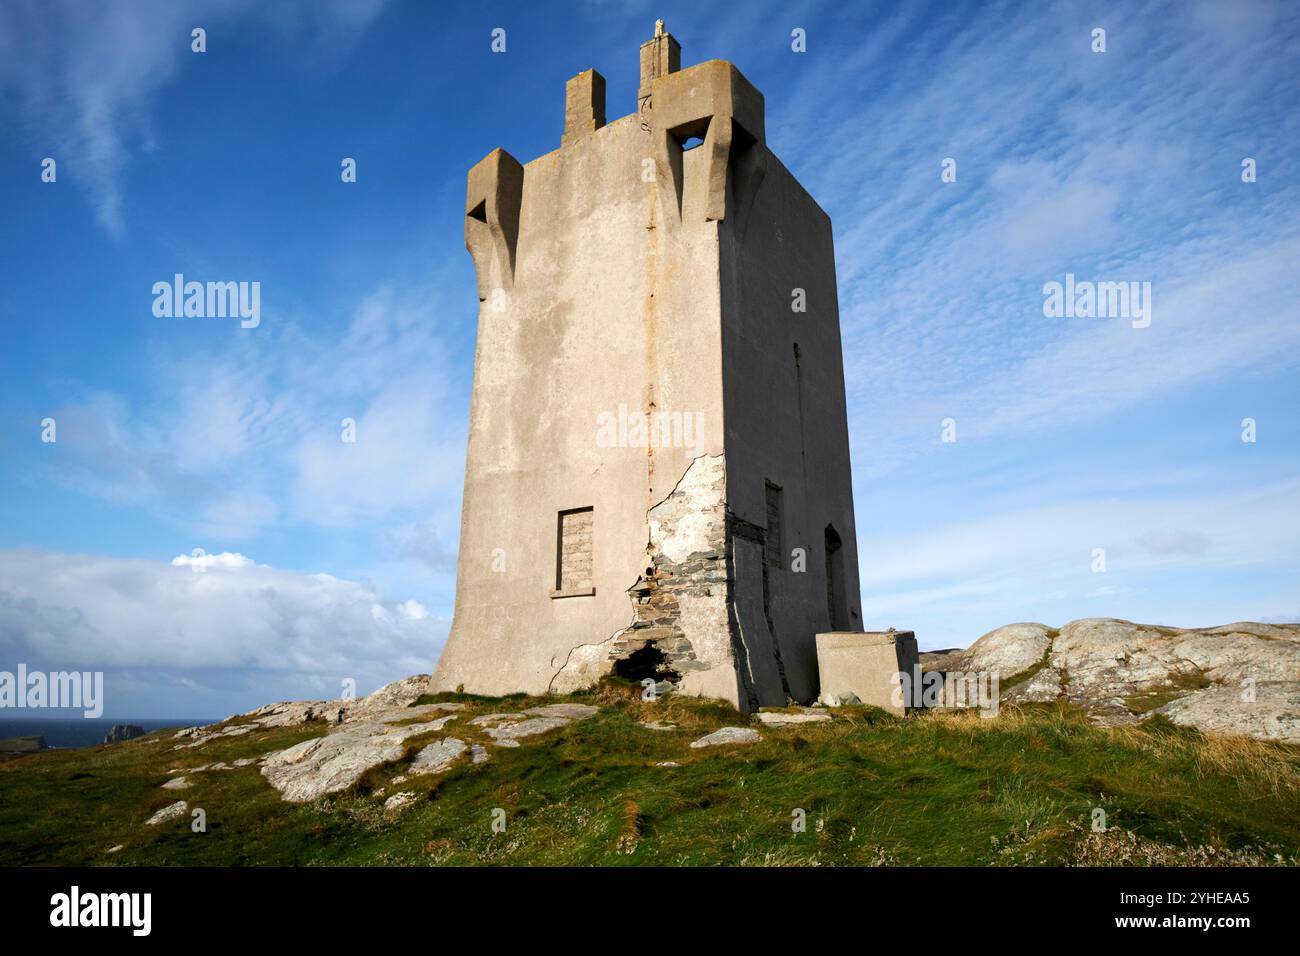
[(200, 561), (220, 613)]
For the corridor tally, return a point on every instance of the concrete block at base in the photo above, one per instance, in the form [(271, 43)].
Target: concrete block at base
[(865, 665)]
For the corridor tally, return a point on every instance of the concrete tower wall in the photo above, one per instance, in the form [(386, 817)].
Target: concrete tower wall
[(626, 275), (787, 420), (602, 313)]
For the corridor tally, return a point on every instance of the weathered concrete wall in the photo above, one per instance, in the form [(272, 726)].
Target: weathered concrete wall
[(680, 604), (605, 308), (624, 272), (866, 666), (786, 415)]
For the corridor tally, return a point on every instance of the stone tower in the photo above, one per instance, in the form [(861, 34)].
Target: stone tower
[(658, 480)]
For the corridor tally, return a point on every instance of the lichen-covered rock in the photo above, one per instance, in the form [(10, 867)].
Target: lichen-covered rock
[(1007, 650), (1121, 672), (492, 719), (780, 719), (535, 725), (728, 735), (398, 694), (337, 760), (399, 800), (438, 756), (1273, 714), (505, 729), (170, 812), (1042, 687), (290, 713), (568, 711)]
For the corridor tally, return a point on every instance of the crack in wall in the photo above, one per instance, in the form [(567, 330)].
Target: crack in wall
[(686, 564), (695, 609)]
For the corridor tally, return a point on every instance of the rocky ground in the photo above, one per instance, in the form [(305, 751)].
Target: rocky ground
[(1236, 679), (391, 729), (605, 777)]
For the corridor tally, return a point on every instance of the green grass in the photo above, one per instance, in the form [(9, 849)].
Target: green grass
[(933, 789), (1179, 685)]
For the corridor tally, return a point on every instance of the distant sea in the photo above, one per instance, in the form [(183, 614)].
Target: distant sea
[(81, 731)]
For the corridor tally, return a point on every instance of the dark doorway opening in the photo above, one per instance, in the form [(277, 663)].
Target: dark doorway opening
[(836, 600), (648, 662)]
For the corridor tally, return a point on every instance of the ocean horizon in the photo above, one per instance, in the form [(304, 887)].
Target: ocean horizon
[(69, 732)]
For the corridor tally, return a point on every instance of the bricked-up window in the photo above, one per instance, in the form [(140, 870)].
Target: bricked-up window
[(573, 561), (774, 549)]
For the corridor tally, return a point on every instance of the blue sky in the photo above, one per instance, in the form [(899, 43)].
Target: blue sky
[(326, 561)]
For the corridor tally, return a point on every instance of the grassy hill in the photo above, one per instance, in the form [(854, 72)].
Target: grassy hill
[(930, 789)]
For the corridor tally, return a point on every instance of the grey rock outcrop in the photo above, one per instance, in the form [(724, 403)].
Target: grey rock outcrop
[(728, 735), (1009, 650), (527, 728), (337, 760), (1239, 678), (505, 729), (170, 812), (1273, 714), (399, 800), (567, 711), (377, 730), (398, 696), (437, 757), (780, 719)]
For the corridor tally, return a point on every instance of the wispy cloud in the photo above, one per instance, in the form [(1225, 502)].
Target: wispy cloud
[(84, 77), (1122, 165), (961, 577), (252, 437)]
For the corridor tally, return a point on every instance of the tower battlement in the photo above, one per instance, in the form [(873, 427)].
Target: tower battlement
[(711, 101)]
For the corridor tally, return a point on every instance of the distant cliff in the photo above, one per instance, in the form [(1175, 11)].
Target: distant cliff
[(11, 747), (120, 732)]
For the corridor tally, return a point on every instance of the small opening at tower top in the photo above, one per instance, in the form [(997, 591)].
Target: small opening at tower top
[(691, 142)]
